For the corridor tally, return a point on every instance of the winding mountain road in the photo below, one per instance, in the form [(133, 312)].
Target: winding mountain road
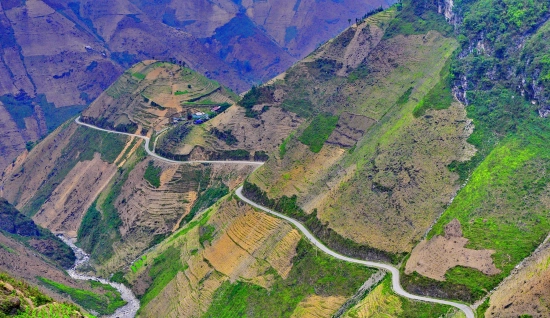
[(152, 154), (383, 266), (396, 285)]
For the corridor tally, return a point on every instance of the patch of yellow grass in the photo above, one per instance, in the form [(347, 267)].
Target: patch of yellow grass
[(376, 304), (318, 306)]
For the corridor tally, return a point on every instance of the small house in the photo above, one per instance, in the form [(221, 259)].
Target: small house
[(200, 115)]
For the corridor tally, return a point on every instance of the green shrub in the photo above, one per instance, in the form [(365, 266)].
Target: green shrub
[(104, 303), (225, 135), (139, 76), (282, 147), (118, 277), (152, 174), (206, 199), (261, 156), (164, 268), (440, 96), (318, 131), (206, 233), (138, 264)]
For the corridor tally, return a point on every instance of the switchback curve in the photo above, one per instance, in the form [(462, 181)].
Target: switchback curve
[(396, 284)]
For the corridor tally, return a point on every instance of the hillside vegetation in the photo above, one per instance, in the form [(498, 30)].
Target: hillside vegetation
[(82, 189), (418, 136), (502, 206), (385, 189), (19, 299), (237, 261), (373, 168)]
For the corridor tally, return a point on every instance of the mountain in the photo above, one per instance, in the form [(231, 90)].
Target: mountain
[(57, 56), (416, 137), (162, 219)]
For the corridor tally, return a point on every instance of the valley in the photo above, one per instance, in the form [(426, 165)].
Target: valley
[(394, 271), (398, 169)]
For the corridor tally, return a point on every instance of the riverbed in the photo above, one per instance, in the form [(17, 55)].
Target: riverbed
[(132, 303)]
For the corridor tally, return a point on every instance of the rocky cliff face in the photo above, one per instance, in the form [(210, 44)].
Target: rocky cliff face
[(446, 7)]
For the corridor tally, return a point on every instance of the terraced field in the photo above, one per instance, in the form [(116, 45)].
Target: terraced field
[(148, 213), (151, 92), (232, 246)]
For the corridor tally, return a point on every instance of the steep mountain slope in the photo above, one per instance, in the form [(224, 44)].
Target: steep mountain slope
[(365, 145), (502, 207), (35, 254), (158, 99), (375, 173), (22, 228), (408, 159), (525, 292), (57, 56), (233, 260), (100, 188)]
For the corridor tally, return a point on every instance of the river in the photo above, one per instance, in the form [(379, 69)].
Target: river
[(132, 303)]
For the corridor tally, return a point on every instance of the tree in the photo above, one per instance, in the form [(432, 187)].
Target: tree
[(349, 21)]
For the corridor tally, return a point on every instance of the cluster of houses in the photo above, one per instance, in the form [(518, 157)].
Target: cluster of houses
[(198, 117)]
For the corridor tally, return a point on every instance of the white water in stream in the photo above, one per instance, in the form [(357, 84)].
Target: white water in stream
[(127, 311)]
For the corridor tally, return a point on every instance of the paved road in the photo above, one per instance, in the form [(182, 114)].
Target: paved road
[(387, 267), (152, 154)]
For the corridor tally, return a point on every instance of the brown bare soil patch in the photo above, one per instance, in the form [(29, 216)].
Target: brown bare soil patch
[(350, 129), (318, 307), (19, 187), (435, 257), (526, 291), (64, 209), (121, 156)]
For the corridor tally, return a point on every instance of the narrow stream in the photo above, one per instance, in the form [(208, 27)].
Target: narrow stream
[(127, 311)]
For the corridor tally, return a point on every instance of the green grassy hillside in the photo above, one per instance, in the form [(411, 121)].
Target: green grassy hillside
[(19, 299), (262, 288), (502, 206)]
